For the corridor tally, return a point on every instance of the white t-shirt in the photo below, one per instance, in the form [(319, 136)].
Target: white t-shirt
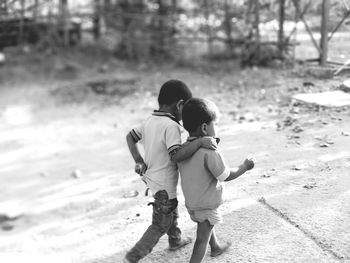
[(160, 134)]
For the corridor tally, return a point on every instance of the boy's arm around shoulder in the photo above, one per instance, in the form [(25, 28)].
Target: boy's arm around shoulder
[(187, 149)]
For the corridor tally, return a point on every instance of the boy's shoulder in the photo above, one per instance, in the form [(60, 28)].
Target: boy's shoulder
[(163, 120), (207, 153), (211, 154)]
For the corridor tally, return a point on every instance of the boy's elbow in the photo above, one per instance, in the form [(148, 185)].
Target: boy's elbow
[(174, 158), (129, 138)]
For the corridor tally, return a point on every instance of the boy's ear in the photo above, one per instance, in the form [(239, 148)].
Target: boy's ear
[(180, 103), (204, 128)]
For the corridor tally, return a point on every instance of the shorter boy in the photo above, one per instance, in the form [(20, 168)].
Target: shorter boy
[(202, 175)]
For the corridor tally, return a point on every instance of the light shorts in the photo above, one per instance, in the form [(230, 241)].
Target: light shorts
[(212, 215)]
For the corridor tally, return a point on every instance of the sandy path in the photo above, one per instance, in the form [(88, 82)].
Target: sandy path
[(64, 172)]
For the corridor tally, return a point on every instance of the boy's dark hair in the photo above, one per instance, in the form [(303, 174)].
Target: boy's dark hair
[(173, 91), (198, 111)]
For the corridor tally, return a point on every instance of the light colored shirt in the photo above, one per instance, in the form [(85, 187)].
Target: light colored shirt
[(160, 134), (201, 177)]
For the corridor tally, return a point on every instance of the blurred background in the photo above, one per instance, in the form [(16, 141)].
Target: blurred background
[(255, 32), (77, 75)]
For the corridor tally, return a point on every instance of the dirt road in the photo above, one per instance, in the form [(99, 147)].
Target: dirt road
[(66, 174)]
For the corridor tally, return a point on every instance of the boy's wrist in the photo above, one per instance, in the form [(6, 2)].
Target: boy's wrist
[(139, 161), (245, 167)]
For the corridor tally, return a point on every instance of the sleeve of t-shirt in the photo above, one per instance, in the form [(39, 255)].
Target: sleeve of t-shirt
[(137, 133), (215, 163), (173, 138)]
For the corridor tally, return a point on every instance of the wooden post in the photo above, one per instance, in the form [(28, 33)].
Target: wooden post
[(308, 29), (281, 28), (173, 16), (209, 39), (21, 23), (36, 10), (64, 21), (257, 30), (228, 27), (161, 27), (3, 7), (324, 32), (97, 20), (107, 10)]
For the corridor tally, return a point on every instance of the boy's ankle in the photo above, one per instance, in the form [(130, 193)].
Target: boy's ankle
[(183, 242), (220, 249)]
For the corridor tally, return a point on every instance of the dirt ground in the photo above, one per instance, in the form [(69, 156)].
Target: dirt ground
[(69, 194)]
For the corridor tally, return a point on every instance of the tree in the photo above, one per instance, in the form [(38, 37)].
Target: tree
[(64, 16)]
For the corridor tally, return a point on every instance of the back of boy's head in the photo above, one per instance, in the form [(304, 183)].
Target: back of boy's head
[(198, 111), (172, 91)]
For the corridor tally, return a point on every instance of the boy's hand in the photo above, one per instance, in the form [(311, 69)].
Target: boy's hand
[(249, 163), (208, 143), (140, 168)]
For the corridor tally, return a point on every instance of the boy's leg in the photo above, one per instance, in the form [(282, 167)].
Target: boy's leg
[(217, 248), (174, 234), (204, 230), (161, 221)]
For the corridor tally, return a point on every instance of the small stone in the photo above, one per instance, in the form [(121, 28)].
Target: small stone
[(309, 186), (103, 68), (131, 194), (2, 58), (265, 175), (345, 133), (292, 137), (43, 174), (7, 227), (76, 173), (298, 167), (345, 86), (324, 144), (297, 129)]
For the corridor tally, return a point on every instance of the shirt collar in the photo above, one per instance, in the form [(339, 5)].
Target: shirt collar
[(192, 138), (165, 114)]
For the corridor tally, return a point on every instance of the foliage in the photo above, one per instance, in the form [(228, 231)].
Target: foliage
[(162, 29)]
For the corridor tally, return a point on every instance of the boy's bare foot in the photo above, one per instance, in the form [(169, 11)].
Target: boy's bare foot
[(125, 260), (221, 249), (185, 241)]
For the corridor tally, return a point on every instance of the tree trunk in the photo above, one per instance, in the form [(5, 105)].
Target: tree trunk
[(173, 15), (36, 10), (208, 30), (228, 28), (324, 32), (96, 20), (64, 21), (3, 7), (161, 27), (281, 42), (21, 22), (107, 10), (257, 30)]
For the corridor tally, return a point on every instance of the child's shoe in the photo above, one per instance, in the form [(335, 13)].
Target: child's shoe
[(185, 241), (222, 249)]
